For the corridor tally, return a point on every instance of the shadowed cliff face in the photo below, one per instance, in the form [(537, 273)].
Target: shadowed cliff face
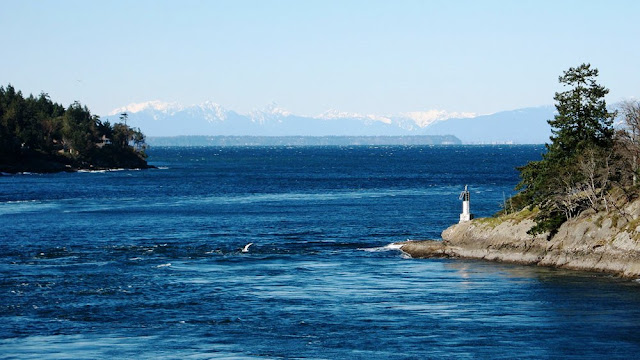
[(595, 241)]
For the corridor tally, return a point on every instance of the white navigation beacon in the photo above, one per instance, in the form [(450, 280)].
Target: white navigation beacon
[(464, 196)]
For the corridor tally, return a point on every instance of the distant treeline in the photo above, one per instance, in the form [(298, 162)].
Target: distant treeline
[(302, 140), (39, 135)]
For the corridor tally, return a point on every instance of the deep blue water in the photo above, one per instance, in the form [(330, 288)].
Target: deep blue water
[(147, 264)]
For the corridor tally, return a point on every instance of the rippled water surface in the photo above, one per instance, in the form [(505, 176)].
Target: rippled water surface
[(147, 264)]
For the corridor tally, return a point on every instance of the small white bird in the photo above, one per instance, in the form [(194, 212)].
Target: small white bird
[(246, 247)]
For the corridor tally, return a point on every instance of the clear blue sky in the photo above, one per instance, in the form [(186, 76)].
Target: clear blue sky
[(309, 56)]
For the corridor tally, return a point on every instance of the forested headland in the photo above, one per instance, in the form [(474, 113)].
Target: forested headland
[(591, 164), (39, 135), (579, 206)]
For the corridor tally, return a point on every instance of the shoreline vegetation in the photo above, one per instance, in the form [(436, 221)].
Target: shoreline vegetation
[(578, 207), (40, 136), (593, 241)]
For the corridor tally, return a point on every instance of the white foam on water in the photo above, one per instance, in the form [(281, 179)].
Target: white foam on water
[(390, 247), (296, 197), (19, 173), (21, 206), (92, 171), (164, 265), (101, 171), (19, 201)]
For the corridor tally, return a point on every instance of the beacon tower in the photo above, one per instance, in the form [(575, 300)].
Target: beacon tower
[(466, 214)]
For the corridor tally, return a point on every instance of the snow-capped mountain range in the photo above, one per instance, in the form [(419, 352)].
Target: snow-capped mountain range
[(156, 118)]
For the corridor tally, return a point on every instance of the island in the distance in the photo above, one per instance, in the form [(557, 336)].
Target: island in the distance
[(578, 207), (38, 135)]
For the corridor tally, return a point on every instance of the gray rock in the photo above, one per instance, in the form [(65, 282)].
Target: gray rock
[(594, 241)]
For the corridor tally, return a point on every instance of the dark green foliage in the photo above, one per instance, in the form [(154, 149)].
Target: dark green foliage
[(38, 134), (79, 131), (577, 169), (583, 120)]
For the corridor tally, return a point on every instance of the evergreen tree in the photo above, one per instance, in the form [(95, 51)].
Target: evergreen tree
[(79, 130), (566, 181), (583, 120)]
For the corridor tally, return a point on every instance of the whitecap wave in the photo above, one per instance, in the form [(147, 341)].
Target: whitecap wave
[(390, 247), (92, 171), (163, 265), (21, 206), (101, 171), (18, 201)]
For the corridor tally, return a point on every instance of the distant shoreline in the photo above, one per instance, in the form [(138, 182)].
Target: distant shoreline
[(223, 140)]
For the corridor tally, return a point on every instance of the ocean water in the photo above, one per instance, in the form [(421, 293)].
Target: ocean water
[(148, 264)]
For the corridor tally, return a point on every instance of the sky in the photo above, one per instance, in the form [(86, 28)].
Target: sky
[(308, 56)]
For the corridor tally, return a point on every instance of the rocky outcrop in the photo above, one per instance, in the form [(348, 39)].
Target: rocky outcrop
[(38, 162), (595, 241)]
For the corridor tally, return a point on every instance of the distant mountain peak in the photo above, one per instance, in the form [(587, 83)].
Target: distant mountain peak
[(426, 118), (157, 118), (210, 105), (334, 114), (153, 105), (210, 111), (273, 112), (409, 120), (270, 112)]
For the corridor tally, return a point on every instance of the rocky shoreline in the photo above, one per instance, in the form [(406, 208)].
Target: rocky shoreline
[(594, 241), (42, 163)]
